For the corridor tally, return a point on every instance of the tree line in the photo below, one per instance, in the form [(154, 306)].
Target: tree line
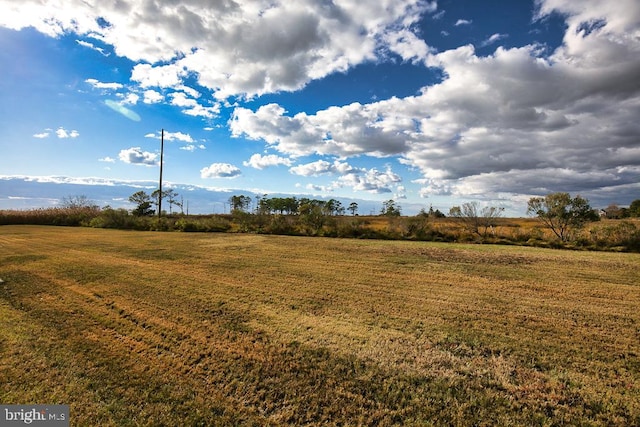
[(148, 204), (564, 216), (288, 205)]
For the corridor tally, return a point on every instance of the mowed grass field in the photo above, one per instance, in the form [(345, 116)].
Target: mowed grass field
[(143, 328)]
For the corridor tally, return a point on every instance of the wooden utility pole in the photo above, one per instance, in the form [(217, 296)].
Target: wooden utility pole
[(161, 156)]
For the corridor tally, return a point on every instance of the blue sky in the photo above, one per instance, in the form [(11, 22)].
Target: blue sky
[(424, 102)]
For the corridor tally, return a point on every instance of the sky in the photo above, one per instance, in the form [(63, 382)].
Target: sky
[(428, 103)]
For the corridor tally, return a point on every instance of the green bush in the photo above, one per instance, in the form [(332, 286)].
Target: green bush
[(281, 224), (160, 224), (186, 225), (113, 218), (210, 224), (353, 228), (245, 222), (216, 223)]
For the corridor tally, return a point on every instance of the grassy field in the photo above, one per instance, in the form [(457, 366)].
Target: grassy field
[(142, 328)]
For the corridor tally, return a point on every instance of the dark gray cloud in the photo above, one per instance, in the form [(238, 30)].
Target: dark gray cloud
[(514, 122), (234, 48)]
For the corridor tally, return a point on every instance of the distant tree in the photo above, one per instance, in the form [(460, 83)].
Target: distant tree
[(77, 202), (390, 208), (476, 220), (313, 215), (169, 195), (155, 198), (181, 205), (143, 204), (239, 203), (438, 214), (277, 204), (305, 205), (281, 205), (291, 205), (353, 208), (264, 205), (634, 209), (334, 207), (561, 213), (432, 213), (614, 211), (172, 197), (261, 207)]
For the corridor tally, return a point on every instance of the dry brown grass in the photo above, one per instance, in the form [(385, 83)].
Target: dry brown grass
[(149, 328)]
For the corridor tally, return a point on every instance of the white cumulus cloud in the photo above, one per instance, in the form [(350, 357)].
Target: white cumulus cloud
[(358, 179), (513, 122), (100, 85), (258, 161), (372, 181), (151, 96), (92, 46), (136, 156), (171, 136), (246, 48), (41, 135), (220, 170), (63, 133), (494, 38), (191, 107)]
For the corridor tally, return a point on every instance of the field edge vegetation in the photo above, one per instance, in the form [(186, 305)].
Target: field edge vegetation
[(599, 234)]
